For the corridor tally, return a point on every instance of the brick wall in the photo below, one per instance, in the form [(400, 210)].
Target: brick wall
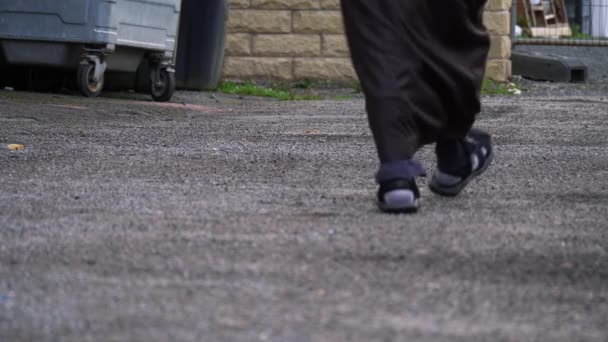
[(304, 39)]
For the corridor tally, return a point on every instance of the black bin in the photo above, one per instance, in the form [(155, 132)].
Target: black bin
[(201, 43)]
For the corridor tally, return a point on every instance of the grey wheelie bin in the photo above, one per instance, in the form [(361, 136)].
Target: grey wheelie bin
[(92, 36)]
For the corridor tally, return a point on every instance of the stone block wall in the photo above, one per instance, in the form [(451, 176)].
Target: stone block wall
[(289, 40), (497, 19)]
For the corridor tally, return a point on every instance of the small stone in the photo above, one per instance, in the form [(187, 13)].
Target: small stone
[(15, 147)]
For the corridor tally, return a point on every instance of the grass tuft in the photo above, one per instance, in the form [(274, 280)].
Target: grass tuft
[(490, 87), (252, 89)]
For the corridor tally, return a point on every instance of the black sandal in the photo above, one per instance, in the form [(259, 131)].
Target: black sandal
[(479, 148)]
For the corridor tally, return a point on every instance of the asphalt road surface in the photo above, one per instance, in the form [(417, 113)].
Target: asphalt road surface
[(227, 219)]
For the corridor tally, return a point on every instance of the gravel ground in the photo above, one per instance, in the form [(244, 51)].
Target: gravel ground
[(227, 219)]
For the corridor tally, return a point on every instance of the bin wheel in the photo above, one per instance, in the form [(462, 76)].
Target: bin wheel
[(163, 90), (86, 84)]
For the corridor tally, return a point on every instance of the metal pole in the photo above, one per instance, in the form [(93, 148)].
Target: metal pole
[(513, 20)]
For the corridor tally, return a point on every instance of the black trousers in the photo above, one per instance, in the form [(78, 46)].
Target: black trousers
[(421, 65)]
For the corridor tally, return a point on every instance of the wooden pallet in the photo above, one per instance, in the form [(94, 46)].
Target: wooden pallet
[(554, 31), (547, 19)]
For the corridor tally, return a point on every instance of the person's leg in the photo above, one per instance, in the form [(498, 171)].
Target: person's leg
[(462, 152), (420, 63), (380, 35)]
